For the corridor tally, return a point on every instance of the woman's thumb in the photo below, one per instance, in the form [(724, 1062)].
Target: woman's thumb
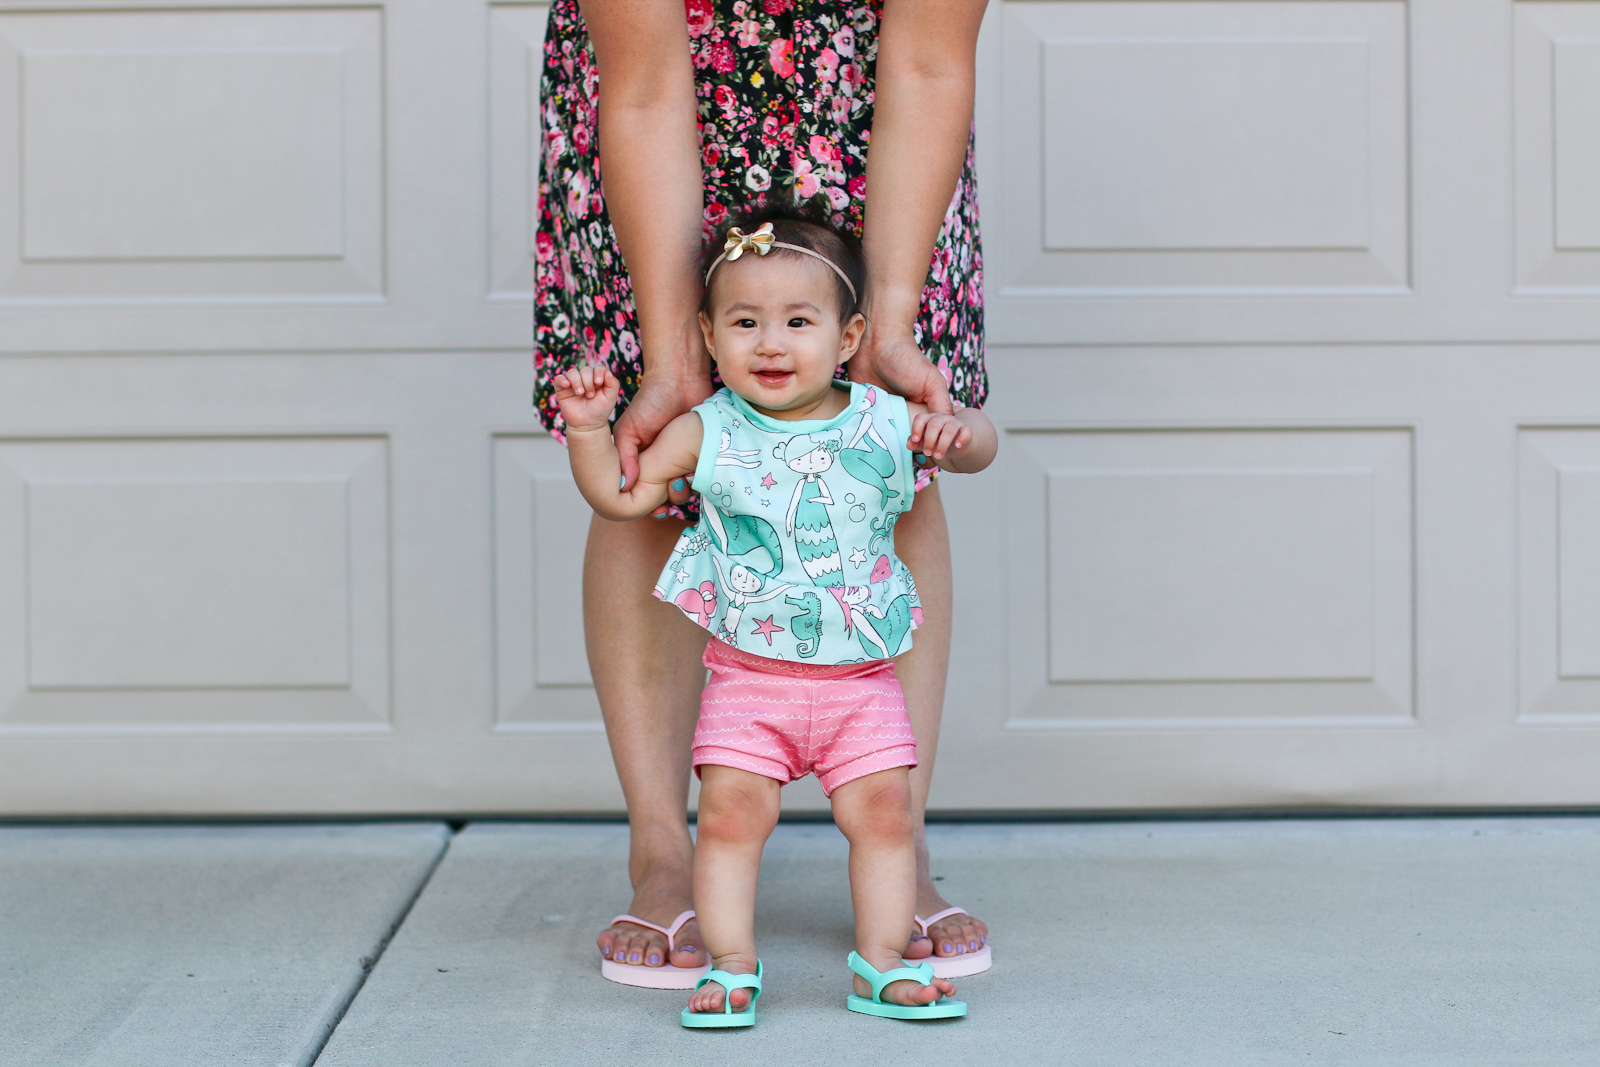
[(628, 454)]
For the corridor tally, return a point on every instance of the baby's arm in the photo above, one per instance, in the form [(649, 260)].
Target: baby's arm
[(586, 396), (963, 443)]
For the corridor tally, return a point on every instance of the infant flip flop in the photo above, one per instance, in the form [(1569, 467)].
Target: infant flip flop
[(922, 974), (727, 1016)]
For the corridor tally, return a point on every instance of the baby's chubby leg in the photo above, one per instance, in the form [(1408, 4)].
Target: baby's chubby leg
[(874, 812), (738, 810)]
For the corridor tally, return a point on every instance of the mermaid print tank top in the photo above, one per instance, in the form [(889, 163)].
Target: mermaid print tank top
[(793, 556)]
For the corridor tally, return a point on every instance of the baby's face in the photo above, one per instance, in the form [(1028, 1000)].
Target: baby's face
[(775, 333)]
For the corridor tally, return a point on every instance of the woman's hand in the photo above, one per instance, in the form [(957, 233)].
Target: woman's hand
[(660, 399), (897, 364)]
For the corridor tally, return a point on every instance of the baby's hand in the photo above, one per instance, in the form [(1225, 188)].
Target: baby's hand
[(935, 435), (586, 395)]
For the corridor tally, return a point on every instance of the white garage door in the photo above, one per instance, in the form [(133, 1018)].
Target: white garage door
[(1293, 308)]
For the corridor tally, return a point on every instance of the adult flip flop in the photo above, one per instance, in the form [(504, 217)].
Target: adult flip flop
[(921, 974), (958, 966), (727, 1016), (666, 976)]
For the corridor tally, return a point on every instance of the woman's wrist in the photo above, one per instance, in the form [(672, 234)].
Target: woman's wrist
[(892, 315)]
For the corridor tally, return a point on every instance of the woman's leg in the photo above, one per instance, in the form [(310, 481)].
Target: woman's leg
[(874, 814), (645, 658), (922, 540), (738, 810)]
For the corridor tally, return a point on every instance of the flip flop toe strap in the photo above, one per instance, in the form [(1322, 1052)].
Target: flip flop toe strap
[(922, 974), (670, 931), (730, 982)]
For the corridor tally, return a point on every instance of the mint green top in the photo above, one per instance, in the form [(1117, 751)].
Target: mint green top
[(793, 557)]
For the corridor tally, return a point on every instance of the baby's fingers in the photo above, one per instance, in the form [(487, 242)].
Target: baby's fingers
[(918, 422), (947, 436)]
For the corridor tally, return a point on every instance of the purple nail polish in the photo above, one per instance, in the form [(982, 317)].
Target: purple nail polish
[(983, 939), (948, 948), (655, 960), (972, 945), (606, 952), (633, 957)]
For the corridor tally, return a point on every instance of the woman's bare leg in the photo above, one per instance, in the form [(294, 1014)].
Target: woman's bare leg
[(922, 540), (645, 658)]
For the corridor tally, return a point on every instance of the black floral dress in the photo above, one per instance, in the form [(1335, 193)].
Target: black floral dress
[(785, 110)]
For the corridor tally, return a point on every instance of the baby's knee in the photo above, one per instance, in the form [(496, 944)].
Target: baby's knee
[(736, 807), (879, 809)]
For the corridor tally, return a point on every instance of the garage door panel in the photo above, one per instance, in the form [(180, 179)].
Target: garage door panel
[(222, 584), (1558, 148), (173, 156), (1214, 576)]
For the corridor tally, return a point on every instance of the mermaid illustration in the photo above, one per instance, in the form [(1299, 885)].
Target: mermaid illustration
[(867, 458), (742, 587), (807, 520)]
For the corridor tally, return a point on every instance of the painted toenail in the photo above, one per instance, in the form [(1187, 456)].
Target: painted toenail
[(687, 948), (655, 960), (973, 945), (633, 957), (960, 949), (606, 952), (983, 940), (948, 948)]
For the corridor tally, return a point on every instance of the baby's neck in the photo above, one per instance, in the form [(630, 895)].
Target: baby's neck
[(824, 405)]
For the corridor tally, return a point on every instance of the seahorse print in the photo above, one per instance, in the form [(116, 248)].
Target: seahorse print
[(806, 625)]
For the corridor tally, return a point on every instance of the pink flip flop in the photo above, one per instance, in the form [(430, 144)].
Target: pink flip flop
[(664, 977), (953, 966)]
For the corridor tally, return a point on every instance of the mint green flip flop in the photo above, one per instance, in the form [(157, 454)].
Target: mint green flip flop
[(922, 974), (727, 1016)]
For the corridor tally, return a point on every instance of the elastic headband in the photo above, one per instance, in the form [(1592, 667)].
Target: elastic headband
[(762, 242)]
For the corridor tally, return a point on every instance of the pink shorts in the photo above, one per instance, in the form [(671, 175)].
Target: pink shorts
[(786, 720)]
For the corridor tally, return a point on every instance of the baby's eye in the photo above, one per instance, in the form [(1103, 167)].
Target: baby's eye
[(797, 323), (746, 324)]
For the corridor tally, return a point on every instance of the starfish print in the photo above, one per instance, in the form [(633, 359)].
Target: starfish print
[(683, 576), (766, 629), (768, 482), (858, 556)]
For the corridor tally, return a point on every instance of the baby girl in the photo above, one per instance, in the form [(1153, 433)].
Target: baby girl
[(792, 569)]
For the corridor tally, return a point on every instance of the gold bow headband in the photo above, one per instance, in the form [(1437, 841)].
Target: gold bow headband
[(761, 242)]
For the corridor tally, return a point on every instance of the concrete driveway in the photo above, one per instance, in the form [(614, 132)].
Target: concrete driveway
[(1327, 941)]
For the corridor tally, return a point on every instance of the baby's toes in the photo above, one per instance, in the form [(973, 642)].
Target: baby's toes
[(909, 993), (739, 998)]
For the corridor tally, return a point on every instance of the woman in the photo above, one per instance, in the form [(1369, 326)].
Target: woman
[(708, 105)]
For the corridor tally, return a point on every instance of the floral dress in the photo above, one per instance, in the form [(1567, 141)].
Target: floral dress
[(785, 93)]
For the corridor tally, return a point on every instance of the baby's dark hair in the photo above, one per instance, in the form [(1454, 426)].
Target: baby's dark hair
[(796, 227)]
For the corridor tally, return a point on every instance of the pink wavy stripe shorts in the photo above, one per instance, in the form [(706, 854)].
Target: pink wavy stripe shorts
[(786, 720)]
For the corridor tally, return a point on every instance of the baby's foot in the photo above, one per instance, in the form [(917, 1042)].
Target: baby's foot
[(906, 991), (709, 997)]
